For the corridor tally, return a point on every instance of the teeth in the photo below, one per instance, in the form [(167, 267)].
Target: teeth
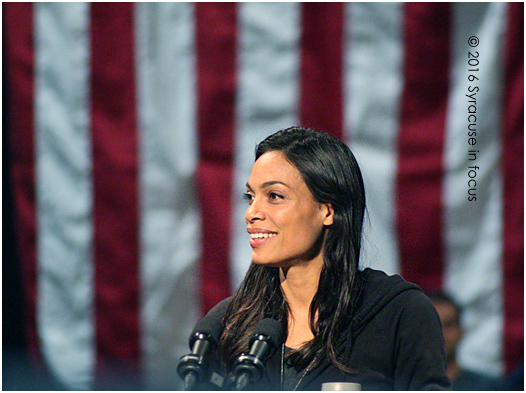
[(261, 235)]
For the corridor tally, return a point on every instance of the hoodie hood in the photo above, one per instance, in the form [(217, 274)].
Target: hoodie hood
[(377, 290)]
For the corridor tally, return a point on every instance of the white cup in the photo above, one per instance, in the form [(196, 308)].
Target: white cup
[(341, 386)]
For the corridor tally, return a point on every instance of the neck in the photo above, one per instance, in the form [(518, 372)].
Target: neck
[(299, 284)]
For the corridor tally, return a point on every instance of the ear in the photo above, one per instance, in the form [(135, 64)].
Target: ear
[(329, 214)]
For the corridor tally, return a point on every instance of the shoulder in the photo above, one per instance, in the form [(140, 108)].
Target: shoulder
[(380, 291), (408, 299), (379, 277), (398, 306), (377, 283)]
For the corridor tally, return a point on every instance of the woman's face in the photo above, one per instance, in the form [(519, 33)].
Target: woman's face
[(284, 220)]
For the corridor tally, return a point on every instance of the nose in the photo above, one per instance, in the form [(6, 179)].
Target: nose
[(254, 212)]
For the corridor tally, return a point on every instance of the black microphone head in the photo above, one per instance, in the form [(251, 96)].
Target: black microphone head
[(210, 326), (250, 367), (270, 328)]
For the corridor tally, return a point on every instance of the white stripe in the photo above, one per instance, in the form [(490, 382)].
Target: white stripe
[(473, 230), (267, 99), (170, 240), (373, 84), (64, 190)]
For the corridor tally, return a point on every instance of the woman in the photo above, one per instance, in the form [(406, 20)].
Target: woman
[(306, 204)]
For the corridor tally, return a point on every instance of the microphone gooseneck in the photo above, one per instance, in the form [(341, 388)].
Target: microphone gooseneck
[(194, 368), (249, 368)]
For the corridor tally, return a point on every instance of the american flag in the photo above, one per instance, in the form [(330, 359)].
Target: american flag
[(131, 129)]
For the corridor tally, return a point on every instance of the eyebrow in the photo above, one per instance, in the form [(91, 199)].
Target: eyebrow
[(268, 184)]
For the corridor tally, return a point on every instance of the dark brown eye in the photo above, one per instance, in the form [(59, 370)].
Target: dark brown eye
[(247, 197), (273, 195)]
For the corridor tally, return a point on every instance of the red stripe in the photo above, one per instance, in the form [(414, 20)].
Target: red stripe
[(18, 41), (216, 85), (421, 141), (115, 171), (321, 96), (513, 167)]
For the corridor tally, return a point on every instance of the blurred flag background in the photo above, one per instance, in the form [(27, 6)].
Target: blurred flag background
[(129, 133)]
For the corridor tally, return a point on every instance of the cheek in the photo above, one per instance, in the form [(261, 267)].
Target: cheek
[(304, 229)]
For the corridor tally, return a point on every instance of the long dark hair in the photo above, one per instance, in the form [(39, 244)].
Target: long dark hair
[(331, 173)]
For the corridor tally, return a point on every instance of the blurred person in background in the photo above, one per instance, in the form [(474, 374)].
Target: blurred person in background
[(462, 379)]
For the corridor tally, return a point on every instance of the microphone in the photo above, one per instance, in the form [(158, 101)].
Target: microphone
[(249, 368), (194, 368)]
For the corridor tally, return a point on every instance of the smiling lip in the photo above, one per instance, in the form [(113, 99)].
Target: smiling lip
[(259, 236)]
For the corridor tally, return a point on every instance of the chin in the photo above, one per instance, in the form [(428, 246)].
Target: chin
[(265, 262), (262, 262), (271, 263)]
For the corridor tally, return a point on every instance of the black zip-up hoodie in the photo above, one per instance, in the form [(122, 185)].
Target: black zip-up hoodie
[(394, 342)]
